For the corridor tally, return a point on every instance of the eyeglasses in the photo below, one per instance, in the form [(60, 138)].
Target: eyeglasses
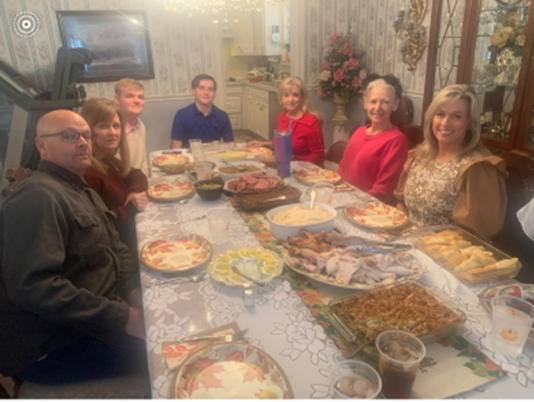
[(70, 136)]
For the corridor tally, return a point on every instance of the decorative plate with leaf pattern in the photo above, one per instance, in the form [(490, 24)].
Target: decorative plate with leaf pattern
[(375, 215), (171, 191), (317, 176), (171, 159), (259, 150), (261, 265), (176, 252), (231, 371)]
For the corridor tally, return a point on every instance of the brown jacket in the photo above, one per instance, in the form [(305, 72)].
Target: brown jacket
[(481, 203)]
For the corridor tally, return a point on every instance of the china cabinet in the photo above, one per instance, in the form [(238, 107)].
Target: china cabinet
[(492, 50)]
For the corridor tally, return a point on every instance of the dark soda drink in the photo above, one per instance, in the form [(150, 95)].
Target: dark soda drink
[(397, 382)]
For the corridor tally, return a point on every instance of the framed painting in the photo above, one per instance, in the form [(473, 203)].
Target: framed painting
[(118, 42)]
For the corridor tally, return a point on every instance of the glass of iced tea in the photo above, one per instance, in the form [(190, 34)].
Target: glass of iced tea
[(511, 324), (399, 356)]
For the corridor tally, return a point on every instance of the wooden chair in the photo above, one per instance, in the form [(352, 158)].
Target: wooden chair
[(335, 152), (414, 135), (520, 189)]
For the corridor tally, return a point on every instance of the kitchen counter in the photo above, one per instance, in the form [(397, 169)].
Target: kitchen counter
[(271, 86)]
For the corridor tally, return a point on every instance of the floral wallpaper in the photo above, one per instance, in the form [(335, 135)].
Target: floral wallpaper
[(371, 23), (181, 46)]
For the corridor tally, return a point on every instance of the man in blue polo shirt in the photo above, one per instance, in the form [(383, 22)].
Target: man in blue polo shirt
[(202, 119)]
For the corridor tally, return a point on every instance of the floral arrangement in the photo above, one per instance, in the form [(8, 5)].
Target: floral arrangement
[(510, 34), (342, 72)]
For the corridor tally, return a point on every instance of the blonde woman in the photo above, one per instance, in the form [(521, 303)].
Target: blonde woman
[(307, 141), (451, 177), (121, 187)]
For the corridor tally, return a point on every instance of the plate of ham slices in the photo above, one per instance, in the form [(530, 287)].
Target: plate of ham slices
[(254, 183)]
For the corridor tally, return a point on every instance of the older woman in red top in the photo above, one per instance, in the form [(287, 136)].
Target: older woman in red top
[(307, 141), (376, 153), (121, 187)]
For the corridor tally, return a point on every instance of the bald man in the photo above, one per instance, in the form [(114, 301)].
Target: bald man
[(69, 292)]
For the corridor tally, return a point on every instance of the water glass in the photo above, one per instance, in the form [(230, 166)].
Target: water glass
[(511, 323), (354, 379), (219, 224), (196, 145), (323, 193), (203, 170), (399, 356)]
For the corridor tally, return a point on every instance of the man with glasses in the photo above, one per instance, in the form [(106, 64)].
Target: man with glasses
[(70, 304)]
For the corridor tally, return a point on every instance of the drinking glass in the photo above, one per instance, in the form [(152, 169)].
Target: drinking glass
[(354, 379), (399, 356), (323, 193), (203, 170), (511, 323), (196, 145), (219, 224)]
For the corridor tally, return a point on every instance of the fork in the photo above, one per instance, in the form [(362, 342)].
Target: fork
[(226, 338), (181, 279)]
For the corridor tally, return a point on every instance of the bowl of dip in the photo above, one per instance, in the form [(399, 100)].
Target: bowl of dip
[(289, 220)]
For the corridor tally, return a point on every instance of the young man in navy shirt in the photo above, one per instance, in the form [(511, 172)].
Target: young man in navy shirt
[(202, 119)]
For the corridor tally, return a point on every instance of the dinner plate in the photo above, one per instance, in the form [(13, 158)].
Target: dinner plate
[(259, 150), (171, 191), (231, 176), (171, 159), (375, 215), (294, 263), (261, 265), (317, 176), (231, 371), (176, 252), (521, 290)]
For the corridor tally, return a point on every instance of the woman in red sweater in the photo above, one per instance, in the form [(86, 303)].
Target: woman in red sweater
[(376, 153), (307, 143), (121, 187)]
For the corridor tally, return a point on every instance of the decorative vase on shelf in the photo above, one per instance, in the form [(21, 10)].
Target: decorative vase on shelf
[(340, 115)]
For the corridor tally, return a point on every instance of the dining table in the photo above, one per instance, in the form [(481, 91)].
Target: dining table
[(288, 318)]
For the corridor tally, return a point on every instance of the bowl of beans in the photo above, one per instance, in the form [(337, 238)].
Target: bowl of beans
[(209, 190)]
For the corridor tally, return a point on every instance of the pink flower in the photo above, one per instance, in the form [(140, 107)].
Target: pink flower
[(334, 38), (325, 66), (353, 63), (347, 49), (320, 92), (338, 75), (356, 82)]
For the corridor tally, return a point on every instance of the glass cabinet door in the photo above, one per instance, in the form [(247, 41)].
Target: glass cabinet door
[(498, 59)]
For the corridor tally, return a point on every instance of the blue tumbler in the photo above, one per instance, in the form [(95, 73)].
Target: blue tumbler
[(282, 152)]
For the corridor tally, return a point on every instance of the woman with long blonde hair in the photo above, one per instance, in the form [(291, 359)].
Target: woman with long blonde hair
[(307, 143), (121, 187), (451, 177)]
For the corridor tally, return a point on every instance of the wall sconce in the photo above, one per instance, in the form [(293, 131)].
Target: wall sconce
[(409, 29)]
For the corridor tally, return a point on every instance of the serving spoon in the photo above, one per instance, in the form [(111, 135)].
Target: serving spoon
[(312, 198)]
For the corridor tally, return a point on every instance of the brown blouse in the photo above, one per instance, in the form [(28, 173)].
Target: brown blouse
[(469, 192)]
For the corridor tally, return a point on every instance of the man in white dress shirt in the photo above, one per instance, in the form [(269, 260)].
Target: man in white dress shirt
[(130, 98)]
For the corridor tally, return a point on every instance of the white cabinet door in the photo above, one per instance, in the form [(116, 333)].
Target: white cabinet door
[(244, 38), (235, 121), (233, 104)]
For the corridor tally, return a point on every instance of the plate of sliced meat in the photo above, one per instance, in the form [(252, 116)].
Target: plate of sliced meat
[(254, 183), (349, 263)]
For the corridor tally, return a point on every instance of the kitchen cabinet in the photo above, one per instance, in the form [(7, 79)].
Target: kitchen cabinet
[(260, 111), (253, 32), (234, 96), (496, 57)]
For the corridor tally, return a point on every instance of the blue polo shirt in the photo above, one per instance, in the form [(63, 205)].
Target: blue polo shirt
[(190, 122)]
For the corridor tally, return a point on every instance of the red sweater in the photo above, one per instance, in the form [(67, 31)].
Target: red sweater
[(374, 163), (307, 143), (113, 189)]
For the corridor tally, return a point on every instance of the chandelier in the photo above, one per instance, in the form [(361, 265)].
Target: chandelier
[(225, 10)]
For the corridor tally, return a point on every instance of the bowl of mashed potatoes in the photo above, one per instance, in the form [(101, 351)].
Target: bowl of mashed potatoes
[(289, 220)]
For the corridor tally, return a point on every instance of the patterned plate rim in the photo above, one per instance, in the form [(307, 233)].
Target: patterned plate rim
[(177, 163), (165, 236), (174, 198), (358, 286), (179, 370), (339, 180), (384, 228), (229, 283)]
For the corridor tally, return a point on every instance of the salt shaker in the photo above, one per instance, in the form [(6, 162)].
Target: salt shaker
[(248, 297)]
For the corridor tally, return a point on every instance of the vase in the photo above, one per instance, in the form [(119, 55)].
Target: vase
[(340, 104)]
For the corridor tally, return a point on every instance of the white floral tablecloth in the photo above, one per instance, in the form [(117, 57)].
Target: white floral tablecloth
[(279, 322)]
